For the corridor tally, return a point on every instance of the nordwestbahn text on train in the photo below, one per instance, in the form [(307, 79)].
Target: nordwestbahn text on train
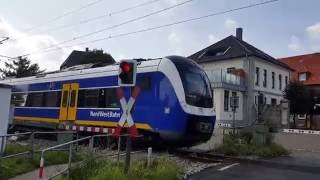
[(174, 105)]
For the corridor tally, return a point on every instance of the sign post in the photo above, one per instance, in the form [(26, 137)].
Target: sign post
[(127, 78), (234, 103)]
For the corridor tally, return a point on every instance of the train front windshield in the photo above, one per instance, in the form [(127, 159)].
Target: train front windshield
[(195, 83)]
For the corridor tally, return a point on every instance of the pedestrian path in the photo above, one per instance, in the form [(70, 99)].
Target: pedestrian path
[(48, 172)]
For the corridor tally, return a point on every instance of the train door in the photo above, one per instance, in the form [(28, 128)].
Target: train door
[(69, 102)]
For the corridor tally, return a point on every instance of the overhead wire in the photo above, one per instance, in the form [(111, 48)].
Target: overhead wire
[(160, 26), (117, 25), (85, 21), (64, 15)]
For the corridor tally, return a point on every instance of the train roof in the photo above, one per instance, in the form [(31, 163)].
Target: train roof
[(83, 71)]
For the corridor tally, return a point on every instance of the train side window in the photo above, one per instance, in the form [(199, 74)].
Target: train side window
[(81, 98), (102, 99), (111, 99), (52, 99), (88, 98), (91, 98), (19, 99), (145, 83), (35, 100)]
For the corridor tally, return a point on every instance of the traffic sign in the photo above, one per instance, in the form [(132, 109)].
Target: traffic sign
[(126, 115)]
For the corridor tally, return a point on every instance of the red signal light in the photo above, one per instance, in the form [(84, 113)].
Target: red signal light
[(127, 73), (126, 67)]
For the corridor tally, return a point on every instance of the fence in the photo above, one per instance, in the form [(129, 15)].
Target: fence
[(91, 149), (32, 149), (299, 140), (4, 140), (92, 143)]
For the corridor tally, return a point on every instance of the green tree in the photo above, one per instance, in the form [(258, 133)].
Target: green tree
[(300, 98), (21, 67)]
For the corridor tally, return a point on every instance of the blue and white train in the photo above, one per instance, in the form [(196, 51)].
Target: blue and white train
[(175, 103)]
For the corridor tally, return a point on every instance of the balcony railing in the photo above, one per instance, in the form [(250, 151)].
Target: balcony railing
[(221, 78)]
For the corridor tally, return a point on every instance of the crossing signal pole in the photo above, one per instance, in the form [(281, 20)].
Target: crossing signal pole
[(127, 78)]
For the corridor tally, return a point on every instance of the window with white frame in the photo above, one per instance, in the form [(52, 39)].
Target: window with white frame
[(302, 76)]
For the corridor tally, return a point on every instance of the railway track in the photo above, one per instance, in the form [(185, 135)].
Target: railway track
[(198, 156)]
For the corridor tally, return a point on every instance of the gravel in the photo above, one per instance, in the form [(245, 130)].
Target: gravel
[(191, 167)]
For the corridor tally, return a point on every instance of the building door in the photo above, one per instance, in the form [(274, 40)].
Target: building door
[(69, 102)]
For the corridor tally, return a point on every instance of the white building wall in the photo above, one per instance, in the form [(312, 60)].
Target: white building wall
[(223, 64), (221, 114), (239, 63), (268, 91)]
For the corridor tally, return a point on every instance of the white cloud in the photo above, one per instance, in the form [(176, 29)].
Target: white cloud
[(173, 37), (213, 39), (315, 47), (294, 44), (22, 43), (313, 31), (175, 42), (230, 24)]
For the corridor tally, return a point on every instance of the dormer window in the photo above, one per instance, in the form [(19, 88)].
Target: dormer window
[(302, 76), (215, 52)]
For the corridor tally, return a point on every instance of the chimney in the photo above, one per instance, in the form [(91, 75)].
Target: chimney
[(239, 33)]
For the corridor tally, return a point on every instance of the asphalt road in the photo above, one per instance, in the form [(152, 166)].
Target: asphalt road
[(245, 171)]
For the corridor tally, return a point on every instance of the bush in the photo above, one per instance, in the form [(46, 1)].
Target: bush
[(87, 170), (232, 147), (160, 169), (14, 148)]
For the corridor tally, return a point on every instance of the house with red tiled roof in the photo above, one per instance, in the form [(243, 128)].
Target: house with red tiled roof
[(307, 68), (307, 71)]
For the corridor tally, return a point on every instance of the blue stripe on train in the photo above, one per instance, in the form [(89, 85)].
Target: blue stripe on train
[(57, 85), (37, 112)]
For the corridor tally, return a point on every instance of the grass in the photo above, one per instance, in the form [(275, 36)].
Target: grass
[(15, 148), (160, 169), (232, 146), (22, 164)]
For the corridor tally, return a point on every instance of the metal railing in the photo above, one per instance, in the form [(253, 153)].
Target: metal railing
[(32, 137), (91, 148), (222, 76), (3, 141), (70, 143), (70, 149)]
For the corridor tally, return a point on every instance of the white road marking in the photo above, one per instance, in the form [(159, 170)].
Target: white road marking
[(227, 167)]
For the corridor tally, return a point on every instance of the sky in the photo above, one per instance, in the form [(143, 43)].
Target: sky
[(281, 29)]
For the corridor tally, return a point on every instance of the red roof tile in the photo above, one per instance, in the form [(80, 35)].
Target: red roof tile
[(309, 63)]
